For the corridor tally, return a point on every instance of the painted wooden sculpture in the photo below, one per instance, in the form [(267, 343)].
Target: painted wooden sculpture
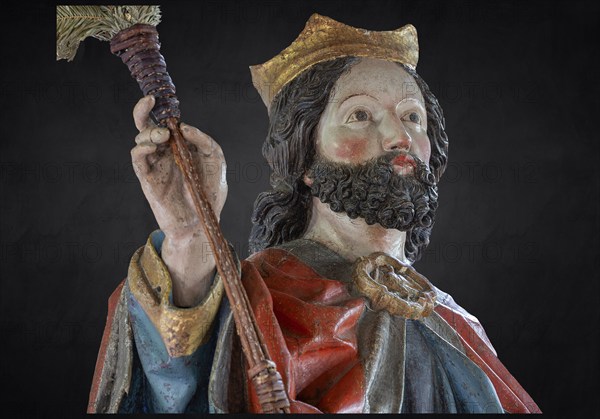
[(357, 146)]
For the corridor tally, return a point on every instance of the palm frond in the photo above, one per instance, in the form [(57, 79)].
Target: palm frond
[(75, 23)]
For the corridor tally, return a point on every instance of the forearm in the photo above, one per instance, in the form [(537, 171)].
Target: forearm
[(191, 263), (174, 344), (171, 381)]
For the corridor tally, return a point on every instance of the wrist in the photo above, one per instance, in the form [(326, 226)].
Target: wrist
[(184, 237), (191, 247), (191, 264)]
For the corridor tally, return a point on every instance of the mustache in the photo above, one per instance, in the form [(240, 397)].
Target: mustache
[(380, 167)]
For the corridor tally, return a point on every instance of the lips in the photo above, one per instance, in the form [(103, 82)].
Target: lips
[(404, 164)]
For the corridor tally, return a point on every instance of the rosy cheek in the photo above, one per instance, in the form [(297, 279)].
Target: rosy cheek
[(350, 149), (422, 148)]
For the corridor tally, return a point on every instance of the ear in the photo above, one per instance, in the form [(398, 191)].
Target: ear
[(307, 181)]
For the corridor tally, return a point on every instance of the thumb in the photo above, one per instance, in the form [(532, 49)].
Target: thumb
[(141, 112)]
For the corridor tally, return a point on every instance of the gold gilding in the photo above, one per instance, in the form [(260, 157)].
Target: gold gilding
[(325, 39), (393, 286), (182, 330)]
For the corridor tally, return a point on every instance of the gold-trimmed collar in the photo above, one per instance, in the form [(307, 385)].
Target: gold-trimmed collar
[(182, 330)]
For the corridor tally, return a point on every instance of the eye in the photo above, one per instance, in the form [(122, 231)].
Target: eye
[(414, 117), (359, 115)]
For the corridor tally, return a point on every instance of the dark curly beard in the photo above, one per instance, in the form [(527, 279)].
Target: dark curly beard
[(376, 193)]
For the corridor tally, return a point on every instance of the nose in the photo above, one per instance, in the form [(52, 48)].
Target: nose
[(394, 134)]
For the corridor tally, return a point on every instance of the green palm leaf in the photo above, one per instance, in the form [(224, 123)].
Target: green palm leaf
[(75, 23)]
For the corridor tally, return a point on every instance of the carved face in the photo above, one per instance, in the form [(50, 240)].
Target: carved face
[(375, 108), (373, 150)]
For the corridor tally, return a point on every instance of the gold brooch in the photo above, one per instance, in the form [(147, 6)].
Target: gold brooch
[(393, 286)]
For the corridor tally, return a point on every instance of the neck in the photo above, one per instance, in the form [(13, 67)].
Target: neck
[(350, 238)]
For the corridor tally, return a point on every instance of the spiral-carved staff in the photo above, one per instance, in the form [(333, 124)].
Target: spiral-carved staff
[(132, 33)]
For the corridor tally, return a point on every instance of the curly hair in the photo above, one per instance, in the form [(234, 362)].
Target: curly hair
[(282, 213)]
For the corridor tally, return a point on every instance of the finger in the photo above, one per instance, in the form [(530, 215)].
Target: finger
[(141, 112), (204, 142), (155, 135), (139, 157)]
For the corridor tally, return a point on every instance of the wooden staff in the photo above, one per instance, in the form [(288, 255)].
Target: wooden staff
[(132, 33)]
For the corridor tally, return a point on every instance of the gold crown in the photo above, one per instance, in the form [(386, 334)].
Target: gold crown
[(325, 39)]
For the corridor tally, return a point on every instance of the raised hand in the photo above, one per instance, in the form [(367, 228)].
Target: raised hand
[(162, 182), (185, 249)]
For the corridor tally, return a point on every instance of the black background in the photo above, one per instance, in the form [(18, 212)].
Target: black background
[(516, 237)]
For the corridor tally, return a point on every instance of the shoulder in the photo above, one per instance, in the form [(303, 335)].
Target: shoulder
[(447, 300), (276, 260), (453, 313)]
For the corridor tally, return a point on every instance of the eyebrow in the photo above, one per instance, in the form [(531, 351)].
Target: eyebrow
[(413, 99), (409, 99), (357, 94)]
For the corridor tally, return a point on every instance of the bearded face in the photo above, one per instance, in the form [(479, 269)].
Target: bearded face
[(324, 115), (375, 191)]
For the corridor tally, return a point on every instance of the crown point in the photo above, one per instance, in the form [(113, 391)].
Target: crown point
[(324, 39)]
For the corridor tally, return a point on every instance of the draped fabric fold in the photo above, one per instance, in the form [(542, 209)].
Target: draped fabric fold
[(334, 353), (309, 325)]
